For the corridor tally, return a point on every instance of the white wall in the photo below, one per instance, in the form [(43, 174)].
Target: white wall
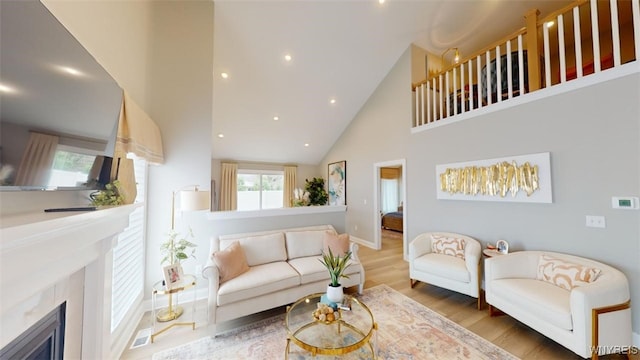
[(180, 76), (593, 135), (379, 132)]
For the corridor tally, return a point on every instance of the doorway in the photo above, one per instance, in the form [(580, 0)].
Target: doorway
[(390, 202)]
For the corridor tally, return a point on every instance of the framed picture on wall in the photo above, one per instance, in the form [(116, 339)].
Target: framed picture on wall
[(337, 183)]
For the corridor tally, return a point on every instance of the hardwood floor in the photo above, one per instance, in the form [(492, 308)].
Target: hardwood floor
[(386, 266)]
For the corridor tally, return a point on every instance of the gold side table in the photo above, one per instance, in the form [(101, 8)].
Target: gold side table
[(173, 311)]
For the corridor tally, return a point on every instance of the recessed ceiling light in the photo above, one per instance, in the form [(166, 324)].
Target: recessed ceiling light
[(221, 135), (287, 57), (306, 145), (276, 118), (380, 1), (332, 101), (224, 75)]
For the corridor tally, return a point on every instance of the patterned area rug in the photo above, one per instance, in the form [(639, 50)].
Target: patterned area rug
[(406, 330)]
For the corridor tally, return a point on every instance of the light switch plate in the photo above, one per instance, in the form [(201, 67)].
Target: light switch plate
[(596, 221)]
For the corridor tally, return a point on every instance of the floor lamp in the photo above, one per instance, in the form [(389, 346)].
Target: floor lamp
[(189, 200)]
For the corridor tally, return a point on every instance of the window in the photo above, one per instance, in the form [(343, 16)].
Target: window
[(128, 256), (70, 168), (259, 190)]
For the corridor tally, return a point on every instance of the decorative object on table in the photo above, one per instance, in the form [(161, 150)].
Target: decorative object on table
[(336, 265), (325, 314), (176, 248), (337, 175), (317, 193), (110, 195), (523, 178), (173, 275), (502, 246), (300, 197)]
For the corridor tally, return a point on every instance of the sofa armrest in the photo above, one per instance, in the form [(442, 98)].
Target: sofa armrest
[(354, 248), (419, 246), (611, 288), (472, 254), (210, 272)]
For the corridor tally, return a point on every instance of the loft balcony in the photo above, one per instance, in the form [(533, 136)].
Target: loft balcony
[(586, 38)]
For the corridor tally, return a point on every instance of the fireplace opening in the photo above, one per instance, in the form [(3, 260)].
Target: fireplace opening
[(43, 340)]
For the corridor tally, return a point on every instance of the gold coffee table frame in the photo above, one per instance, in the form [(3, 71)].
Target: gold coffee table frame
[(317, 349), (172, 312)]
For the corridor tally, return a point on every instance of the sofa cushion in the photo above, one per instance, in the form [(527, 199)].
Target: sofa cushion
[(447, 245), (262, 249), (311, 269), (547, 302), (338, 243), (304, 243), (259, 280), (231, 262), (445, 266), (565, 274)]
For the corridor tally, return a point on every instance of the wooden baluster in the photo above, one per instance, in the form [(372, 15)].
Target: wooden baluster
[(533, 58)]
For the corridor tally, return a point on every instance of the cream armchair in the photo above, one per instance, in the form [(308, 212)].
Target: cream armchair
[(444, 270)]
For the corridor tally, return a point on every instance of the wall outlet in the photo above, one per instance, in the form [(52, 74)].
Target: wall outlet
[(355, 227), (596, 221), (198, 270)]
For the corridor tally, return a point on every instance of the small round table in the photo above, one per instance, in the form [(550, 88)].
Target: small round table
[(491, 252), (172, 312), (352, 330)]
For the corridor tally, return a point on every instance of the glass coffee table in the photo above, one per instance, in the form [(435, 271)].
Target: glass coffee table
[(351, 330)]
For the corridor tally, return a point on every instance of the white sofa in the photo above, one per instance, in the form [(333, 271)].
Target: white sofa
[(565, 316), (283, 267), (449, 272)]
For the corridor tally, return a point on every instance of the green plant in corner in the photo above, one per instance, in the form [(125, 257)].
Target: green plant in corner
[(177, 248), (110, 195), (317, 194), (336, 266)]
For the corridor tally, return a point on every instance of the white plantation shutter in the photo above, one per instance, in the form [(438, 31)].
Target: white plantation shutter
[(128, 255)]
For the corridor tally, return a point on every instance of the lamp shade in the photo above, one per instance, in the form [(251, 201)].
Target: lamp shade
[(194, 200)]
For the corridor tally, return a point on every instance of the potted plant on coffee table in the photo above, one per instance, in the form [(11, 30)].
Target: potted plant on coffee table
[(336, 265)]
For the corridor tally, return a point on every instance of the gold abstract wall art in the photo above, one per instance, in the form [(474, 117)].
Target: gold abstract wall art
[(497, 179), (523, 178)]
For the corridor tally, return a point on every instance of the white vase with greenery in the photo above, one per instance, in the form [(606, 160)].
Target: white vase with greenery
[(336, 265)]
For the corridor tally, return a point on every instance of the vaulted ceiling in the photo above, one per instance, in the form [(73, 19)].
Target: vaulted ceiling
[(339, 50)]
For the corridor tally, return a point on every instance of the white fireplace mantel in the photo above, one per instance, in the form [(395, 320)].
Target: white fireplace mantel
[(49, 258)]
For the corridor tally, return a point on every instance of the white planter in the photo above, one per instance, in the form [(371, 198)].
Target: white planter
[(335, 294)]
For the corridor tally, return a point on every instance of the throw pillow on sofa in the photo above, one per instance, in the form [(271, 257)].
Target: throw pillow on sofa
[(230, 262), (339, 244), (447, 246), (565, 274)]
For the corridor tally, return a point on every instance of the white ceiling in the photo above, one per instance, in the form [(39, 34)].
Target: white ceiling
[(341, 50)]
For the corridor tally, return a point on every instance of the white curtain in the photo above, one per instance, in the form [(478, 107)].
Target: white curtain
[(290, 180), (229, 187), (389, 195), (37, 160)]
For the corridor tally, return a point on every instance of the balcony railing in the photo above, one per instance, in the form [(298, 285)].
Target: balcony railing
[(584, 38)]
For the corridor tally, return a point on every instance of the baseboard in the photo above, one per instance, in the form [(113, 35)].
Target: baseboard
[(362, 242)]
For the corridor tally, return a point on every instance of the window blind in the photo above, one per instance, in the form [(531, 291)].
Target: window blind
[(128, 255)]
